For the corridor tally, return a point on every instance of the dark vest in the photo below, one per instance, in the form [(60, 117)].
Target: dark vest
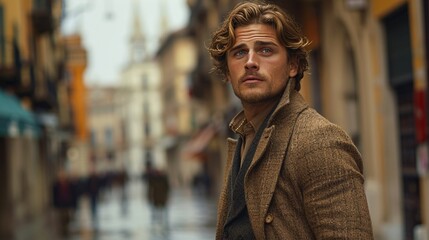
[(237, 225)]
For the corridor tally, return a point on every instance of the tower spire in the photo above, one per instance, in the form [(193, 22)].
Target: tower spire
[(137, 40), (164, 22)]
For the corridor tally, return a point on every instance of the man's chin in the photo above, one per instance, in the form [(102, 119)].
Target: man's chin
[(257, 97), (253, 98)]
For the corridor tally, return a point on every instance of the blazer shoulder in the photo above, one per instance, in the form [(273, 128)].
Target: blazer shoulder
[(313, 131), (312, 123)]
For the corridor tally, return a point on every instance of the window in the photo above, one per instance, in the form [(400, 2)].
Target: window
[(397, 27), (40, 4), (108, 137)]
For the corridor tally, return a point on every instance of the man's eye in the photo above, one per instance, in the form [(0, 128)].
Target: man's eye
[(240, 53), (266, 51)]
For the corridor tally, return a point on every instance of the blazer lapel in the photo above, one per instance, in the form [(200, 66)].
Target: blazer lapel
[(261, 179), (225, 193)]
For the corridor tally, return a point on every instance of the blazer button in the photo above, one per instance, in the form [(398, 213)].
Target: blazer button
[(269, 218)]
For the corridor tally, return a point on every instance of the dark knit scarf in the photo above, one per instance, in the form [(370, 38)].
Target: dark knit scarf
[(238, 222)]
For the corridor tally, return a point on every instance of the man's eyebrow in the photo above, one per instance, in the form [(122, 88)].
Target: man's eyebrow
[(237, 47), (265, 43), (257, 43)]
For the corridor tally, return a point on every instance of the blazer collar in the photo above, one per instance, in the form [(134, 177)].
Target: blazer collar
[(284, 101)]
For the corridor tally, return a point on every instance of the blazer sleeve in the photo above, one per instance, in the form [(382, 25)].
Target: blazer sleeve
[(332, 185)]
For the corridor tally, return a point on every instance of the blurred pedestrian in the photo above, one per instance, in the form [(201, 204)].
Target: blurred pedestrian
[(64, 200), (158, 190), (93, 186), (122, 180), (291, 174)]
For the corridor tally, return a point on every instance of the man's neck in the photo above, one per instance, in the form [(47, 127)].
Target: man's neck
[(251, 110)]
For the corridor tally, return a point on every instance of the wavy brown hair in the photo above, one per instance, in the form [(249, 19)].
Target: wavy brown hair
[(251, 12)]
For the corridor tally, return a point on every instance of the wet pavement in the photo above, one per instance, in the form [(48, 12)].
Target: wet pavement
[(191, 215)]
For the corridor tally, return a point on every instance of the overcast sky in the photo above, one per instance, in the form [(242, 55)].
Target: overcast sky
[(106, 25)]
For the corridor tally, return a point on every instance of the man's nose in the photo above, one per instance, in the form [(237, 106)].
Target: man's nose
[(252, 61)]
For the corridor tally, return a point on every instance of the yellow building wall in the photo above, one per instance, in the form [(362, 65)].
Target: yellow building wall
[(78, 100), (16, 13)]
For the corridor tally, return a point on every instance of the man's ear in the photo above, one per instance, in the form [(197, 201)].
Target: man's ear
[(293, 70)]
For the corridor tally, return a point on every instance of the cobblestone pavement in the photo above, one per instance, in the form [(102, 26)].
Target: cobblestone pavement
[(190, 216)]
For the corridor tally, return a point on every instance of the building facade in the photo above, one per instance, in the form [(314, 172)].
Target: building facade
[(32, 60), (177, 57), (373, 78), (142, 105), (105, 123)]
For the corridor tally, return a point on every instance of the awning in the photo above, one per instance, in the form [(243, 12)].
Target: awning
[(196, 146), (14, 119)]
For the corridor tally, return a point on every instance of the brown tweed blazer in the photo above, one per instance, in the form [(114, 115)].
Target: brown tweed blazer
[(305, 180)]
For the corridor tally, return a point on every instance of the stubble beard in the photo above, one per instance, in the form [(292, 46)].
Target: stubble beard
[(253, 97), (255, 93)]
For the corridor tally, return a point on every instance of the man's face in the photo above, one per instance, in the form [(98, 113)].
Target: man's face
[(258, 64)]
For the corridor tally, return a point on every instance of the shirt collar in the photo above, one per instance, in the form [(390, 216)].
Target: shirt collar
[(239, 123)]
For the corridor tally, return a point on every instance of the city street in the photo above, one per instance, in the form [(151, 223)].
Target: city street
[(190, 216)]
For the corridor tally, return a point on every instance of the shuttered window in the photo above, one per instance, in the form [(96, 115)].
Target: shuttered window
[(400, 77), (398, 45)]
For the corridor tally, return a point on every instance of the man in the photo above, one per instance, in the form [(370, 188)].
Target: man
[(291, 174), (64, 200), (158, 189)]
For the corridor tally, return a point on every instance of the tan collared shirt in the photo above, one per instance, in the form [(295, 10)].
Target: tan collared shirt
[(247, 128)]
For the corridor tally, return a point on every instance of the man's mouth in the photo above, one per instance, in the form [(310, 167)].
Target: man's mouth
[(251, 79)]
